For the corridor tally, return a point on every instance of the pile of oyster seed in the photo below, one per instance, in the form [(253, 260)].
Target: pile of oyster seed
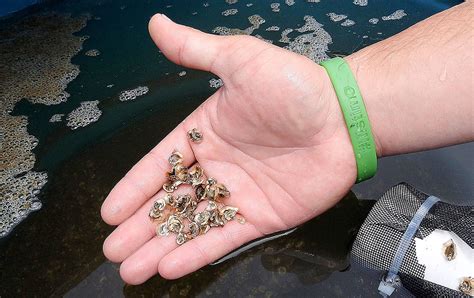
[(177, 213)]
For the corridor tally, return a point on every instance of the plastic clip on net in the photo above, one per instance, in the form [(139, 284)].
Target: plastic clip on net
[(392, 281), (355, 116)]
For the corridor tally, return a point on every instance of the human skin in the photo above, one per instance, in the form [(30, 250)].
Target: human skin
[(274, 134)]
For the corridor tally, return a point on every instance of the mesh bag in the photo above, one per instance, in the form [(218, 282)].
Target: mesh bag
[(380, 235)]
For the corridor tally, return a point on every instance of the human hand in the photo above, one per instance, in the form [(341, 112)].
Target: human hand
[(273, 134)]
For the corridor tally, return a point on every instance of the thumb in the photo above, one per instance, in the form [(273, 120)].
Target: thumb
[(192, 48), (187, 46)]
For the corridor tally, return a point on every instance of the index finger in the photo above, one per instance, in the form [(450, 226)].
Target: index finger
[(145, 178)]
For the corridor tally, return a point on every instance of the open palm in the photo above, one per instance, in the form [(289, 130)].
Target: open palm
[(273, 134)]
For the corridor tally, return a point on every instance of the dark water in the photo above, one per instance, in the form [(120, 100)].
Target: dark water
[(11, 6), (58, 250)]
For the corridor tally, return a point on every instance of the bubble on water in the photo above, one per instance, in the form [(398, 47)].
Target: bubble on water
[(312, 44), (348, 23), (182, 73), (361, 2), (92, 53), (273, 28), (87, 113), (56, 118), (284, 35), (374, 21), (36, 205), (396, 15), (216, 83), (255, 20), (336, 17), (18, 199), (289, 2), (231, 1), (36, 54), (205, 4), (249, 4), (133, 93), (313, 1), (230, 12), (84, 38), (275, 7)]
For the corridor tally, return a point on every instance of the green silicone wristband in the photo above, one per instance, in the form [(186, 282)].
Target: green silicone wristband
[(355, 115)]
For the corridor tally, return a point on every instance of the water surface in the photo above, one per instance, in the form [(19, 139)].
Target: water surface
[(58, 249)]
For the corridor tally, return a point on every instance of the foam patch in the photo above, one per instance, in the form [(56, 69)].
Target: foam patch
[(347, 23), (87, 113), (92, 53), (275, 7), (396, 15), (336, 17), (134, 93), (374, 21), (56, 118), (230, 12), (361, 2), (36, 64), (312, 44)]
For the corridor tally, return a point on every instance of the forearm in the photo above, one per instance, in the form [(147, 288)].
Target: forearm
[(418, 86)]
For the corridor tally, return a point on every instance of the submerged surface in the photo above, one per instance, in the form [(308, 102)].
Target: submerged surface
[(127, 97)]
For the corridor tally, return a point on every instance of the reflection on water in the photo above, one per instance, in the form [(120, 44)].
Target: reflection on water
[(58, 250)]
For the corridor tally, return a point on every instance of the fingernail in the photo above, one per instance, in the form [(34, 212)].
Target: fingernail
[(165, 17)]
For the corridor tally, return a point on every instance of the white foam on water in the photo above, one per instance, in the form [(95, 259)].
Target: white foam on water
[(132, 94), (92, 53), (56, 118), (361, 2), (284, 35), (336, 17), (347, 23), (374, 21), (255, 20), (88, 112), (273, 28), (230, 12), (396, 15), (312, 44), (275, 7), (40, 73)]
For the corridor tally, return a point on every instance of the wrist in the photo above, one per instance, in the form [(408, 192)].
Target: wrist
[(355, 116), (370, 90)]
